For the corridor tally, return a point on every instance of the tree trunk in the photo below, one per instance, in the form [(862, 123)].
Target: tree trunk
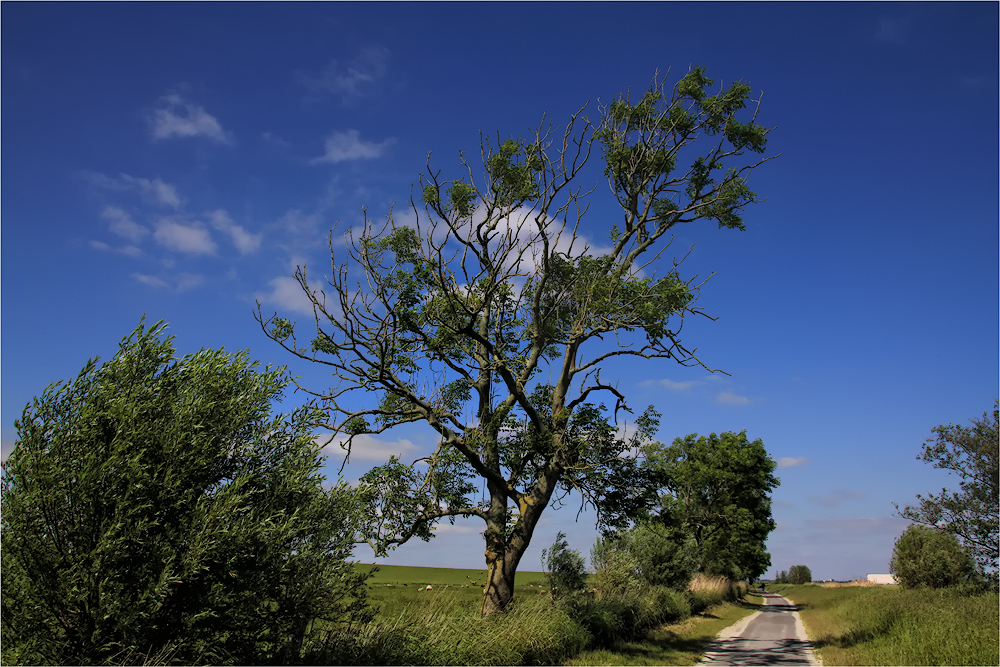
[(504, 550), (499, 590)]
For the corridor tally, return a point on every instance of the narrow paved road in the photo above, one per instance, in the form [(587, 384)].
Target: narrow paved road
[(772, 636)]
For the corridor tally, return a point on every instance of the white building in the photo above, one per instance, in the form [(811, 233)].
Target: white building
[(881, 579)]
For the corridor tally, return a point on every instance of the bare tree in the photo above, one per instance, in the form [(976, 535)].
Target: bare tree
[(451, 316)]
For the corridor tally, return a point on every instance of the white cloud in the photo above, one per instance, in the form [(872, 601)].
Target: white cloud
[(672, 385), (792, 461), (286, 294), (343, 146), (156, 190), (130, 250), (445, 528), (184, 238), (186, 281), (244, 241), (370, 448), (295, 222), (152, 281), (179, 283), (179, 118), (349, 81), (729, 398), (273, 139), (122, 224)]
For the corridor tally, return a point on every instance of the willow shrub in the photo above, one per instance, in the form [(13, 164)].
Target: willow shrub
[(153, 507)]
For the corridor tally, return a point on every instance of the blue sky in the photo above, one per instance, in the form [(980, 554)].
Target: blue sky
[(180, 159)]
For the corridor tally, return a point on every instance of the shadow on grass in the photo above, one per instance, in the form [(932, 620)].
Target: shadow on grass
[(656, 641)]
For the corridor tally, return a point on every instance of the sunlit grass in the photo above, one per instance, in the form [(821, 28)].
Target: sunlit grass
[(887, 625)]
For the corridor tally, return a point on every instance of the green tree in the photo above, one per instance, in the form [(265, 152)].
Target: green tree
[(926, 556), (798, 574), (152, 506), (973, 512), (482, 315), (717, 490), (782, 577), (563, 566)]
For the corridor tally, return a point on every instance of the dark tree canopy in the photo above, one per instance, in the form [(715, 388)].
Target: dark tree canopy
[(972, 513), (717, 491), (154, 509), (484, 315)]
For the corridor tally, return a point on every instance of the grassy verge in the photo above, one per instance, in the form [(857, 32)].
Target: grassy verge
[(430, 616), (676, 644), (887, 625)]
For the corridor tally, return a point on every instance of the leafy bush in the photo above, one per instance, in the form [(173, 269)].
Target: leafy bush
[(564, 567), (665, 557), (616, 570), (152, 506), (925, 556)]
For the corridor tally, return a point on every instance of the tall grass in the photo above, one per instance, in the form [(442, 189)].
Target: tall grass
[(893, 626), (443, 626), (443, 630), (705, 591)]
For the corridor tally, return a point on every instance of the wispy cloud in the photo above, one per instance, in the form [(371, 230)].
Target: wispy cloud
[(129, 250), (285, 293), (244, 241), (152, 190), (122, 224), (792, 461), (893, 30), (179, 283), (836, 497), (729, 398), (673, 385), (191, 239), (344, 146), (370, 448), (177, 117), (349, 80)]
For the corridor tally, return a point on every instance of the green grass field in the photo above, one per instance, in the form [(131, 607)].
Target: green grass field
[(442, 625), (395, 586), (887, 625)]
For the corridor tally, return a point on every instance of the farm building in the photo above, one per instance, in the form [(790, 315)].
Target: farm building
[(881, 579)]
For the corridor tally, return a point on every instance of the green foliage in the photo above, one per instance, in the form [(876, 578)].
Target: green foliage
[(564, 567), (717, 490), (798, 574), (661, 557), (616, 569), (782, 577), (455, 320), (925, 556), (973, 512), (153, 506)]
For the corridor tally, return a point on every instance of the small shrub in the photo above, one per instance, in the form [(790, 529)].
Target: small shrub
[(563, 566), (616, 570)]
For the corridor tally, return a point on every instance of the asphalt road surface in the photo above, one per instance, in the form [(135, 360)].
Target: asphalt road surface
[(772, 636)]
